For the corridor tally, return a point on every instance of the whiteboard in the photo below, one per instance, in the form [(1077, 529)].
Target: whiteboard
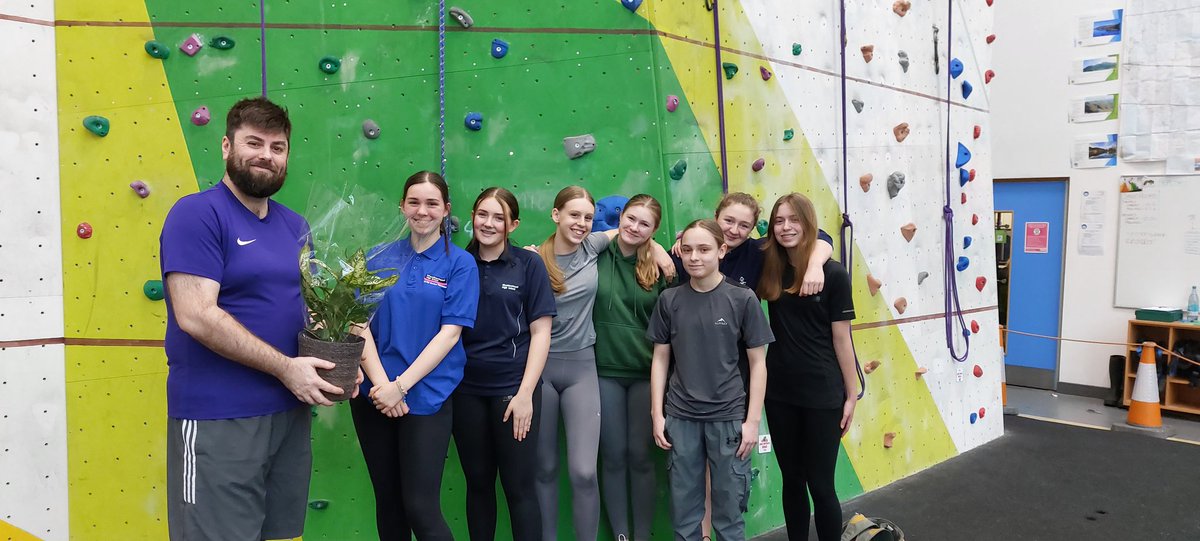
[(1158, 242)]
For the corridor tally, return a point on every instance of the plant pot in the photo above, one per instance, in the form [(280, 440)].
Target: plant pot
[(344, 355)]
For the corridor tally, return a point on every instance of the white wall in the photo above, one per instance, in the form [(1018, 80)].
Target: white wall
[(1034, 48)]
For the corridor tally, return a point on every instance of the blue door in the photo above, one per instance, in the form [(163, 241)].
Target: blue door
[(1034, 278)]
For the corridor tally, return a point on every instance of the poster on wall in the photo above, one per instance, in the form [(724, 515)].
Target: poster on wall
[(1094, 108), (1100, 29), (1037, 237), (1091, 239), (1094, 151), (1095, 70)]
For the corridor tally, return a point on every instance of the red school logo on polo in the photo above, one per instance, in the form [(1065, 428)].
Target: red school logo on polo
[(434, 280)]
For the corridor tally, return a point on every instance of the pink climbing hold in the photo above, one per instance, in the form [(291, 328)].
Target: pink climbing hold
[(901, 304), (192, 45), (672, 103), (889, 439), (84, 230), (201, 116), (987, 76), (873, 284), (921, 372), (765, 73), (865, 181), (871, 366), (978, 371), (868, 52), (908, 230), (982, 412), (758, 164), (140, 188)]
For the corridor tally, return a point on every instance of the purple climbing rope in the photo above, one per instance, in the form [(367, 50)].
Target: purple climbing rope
[(720, 95), (262, 40), (847, 226), (953, 308)]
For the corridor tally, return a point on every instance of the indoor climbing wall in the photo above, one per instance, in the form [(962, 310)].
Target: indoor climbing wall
[(143, 87)]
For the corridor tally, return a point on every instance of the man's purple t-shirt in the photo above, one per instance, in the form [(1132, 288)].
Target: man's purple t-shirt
[(257, 262)]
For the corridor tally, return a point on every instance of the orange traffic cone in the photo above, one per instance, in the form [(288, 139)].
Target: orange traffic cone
[(1145, 415)]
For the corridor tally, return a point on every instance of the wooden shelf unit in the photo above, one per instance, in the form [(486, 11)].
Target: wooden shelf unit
[(1180, 395)]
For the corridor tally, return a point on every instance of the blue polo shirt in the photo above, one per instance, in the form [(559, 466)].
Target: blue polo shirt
[(256, 262), (514, 290), (435, 288), (742, 265)]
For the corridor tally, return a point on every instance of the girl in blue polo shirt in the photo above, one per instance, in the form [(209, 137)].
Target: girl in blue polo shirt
[(414, 359), (497, 405)]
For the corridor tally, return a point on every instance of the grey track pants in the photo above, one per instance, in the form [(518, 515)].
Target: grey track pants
[(569, 385), (626, 456)]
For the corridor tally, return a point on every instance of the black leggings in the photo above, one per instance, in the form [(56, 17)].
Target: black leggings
[(806, 445), (405, 457), (486, 445)]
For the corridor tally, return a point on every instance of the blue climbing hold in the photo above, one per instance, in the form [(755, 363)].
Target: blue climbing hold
[(474, 121), (967, 88), (608, 212), (631, 5), (964, 177), (964, 156), (956, 68), (974, 417), (966, 242), (963, 263), (499, 48)]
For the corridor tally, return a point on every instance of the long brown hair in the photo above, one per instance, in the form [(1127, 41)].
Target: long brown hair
[(508, 204), (558, 282), (738, 198), (775, 256), (647, 270)]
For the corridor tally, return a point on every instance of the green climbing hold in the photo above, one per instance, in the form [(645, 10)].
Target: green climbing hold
[(153, 290), (97, 125), (730, 69), (223, 43), (788, 134), (319, 504), (330, 64), (796, 49), (678, 170), (761, 227), (157, 50)]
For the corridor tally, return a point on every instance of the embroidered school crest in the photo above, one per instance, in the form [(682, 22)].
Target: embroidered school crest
[(434, 280)]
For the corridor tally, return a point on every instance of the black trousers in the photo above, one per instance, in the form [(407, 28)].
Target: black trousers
[(405, 457), (486, 446), (806, 444)]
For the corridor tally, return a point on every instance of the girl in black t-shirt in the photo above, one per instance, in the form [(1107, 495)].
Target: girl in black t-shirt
[(813, 387)]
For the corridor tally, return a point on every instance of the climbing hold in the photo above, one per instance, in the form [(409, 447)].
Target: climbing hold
[(153, 290), (330, 64), (797, 49), (980, 283), (966, 242), (982, 411), (474, 121), (140, 188), (937, 59), (974, 219), (865, 182), (964, 198), (84, 230), (921, 371), (963, 177), (956, 68), (987, 76), (319, 504), (868, 52), (758, 165), (608, 212), (901, 132), (370, 129), (672, 103), (678, 170), (964, 156), (871, 366), (761, 227), (453, 224), (971, 174), (978, 131), (975, 330), (788, 134), (201, 116), (858, 105), (991, 38), (578, 145), (989, 3), (901, 304), (157, 50), (974, 417), (730, 69), (903, 61), (889, 439), (966, 89), (499, 48), (908, 230), (901, 7), (873, 284), (921, 276), (97, 125), (192, 45), (631, 5), (895, 183), (765, 73), (223, 43), (963, 263), (462, 17)]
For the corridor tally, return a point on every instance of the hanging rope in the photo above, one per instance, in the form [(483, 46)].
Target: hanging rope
[(847, 231), (953, 308)]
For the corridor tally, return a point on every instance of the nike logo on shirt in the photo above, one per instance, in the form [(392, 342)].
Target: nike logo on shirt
[(244, 242)]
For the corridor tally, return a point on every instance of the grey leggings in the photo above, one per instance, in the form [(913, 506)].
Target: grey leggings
[(626, 442), (569, 383)]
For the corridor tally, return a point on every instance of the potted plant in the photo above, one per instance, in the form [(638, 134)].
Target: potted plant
[(337, 300)]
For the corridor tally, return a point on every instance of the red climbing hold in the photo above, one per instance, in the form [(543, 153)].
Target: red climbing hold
[(901, 304), (978, 371), (865, 181), (84, 230), (982, 411), (868, 52), (970, 175), (974, 219), (980, 283), (991, 38), (989, 3), (974, 327), (901, 132), (964, 198), (978, 131), (987, 76)]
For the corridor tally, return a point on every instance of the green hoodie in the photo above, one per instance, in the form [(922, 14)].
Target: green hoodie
[(621, 315)]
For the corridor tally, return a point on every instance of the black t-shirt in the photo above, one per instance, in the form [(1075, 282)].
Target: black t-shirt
[(802, 367)]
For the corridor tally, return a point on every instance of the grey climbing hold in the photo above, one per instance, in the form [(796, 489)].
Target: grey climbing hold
[(319, 504), (223, 43), (678, 170), (462, 16), (895, 184), (157, 50), (578, 145), (97, 125), (858, 105), (921, 276), (903, 60), (453, 224), (937, 66), (370, 129)]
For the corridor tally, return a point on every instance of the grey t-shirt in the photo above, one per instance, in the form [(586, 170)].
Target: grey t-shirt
[(703, 330), (572, 328)]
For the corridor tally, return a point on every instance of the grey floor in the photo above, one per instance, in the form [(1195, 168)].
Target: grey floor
[(1087, 411)]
